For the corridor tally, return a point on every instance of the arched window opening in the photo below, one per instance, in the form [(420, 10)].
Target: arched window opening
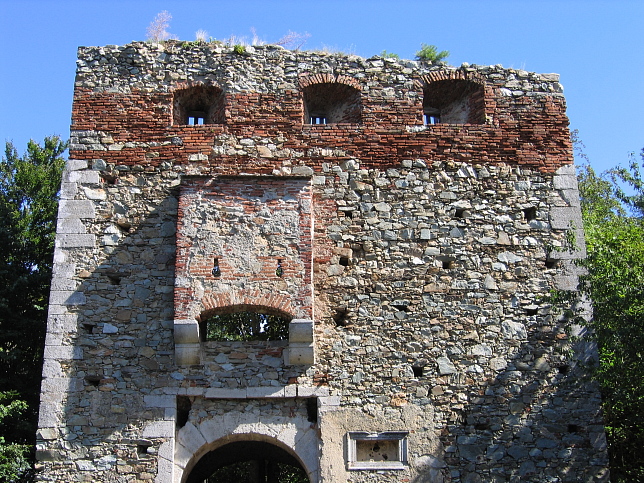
[(330, 103), (199, 105), (245, 324), (453, 102), (248, 462)]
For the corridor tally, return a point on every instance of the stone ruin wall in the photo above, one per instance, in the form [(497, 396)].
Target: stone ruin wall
[(423, 255)]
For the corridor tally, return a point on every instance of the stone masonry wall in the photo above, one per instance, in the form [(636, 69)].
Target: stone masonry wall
[(424, 256)]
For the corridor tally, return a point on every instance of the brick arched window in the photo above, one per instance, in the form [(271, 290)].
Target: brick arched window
[(199, 104), (453, 101), (331, 103), (244, 323)]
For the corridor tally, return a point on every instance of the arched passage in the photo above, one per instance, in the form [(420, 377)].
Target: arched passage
[(248, 462)]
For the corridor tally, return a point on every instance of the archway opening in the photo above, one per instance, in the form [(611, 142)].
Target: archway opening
[(248, 462), (453, 101), (331, 103), (199, 105), (244, 323)]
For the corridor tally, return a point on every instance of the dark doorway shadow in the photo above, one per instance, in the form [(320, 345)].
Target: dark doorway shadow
[(248, 462)]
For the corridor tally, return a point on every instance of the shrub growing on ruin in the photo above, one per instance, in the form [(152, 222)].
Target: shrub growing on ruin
[(429, 53), (158, 29)]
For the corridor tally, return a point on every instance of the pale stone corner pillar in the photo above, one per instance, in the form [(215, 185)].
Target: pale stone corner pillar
[(566, 215)]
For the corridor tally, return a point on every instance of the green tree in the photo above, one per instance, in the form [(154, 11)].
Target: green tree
[(29, 188), (614, 281), (429, 53), (14, 462), (258, 471), (246, 325)]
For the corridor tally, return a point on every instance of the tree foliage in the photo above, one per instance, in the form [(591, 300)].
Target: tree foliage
[(14, 462), (429, 53), (246, 325), (29, 187), (614, 281), (389, 55), (259, 470)]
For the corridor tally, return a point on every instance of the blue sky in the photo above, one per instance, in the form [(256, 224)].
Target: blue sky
[(596, 46)]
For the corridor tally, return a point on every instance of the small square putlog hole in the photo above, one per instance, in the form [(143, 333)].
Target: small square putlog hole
[(461, 213), (447, 263), (93, 379), (531, 310), (530, 213), (114, 278), (401, 307), (143, 447), (340, 317), (552, 262)]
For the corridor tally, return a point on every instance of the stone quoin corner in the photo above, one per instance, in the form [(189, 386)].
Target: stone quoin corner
[(315, 263)]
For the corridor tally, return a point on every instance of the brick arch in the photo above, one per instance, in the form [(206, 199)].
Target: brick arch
[(308, 80), (194, 83), (247, 299), (331, 99), (440, 75)]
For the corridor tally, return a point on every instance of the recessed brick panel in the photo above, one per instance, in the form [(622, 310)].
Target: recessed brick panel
[(252, 226)]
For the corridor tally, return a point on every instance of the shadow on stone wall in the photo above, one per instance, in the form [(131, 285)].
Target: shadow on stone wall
[(110, 354), (118, 372), (534, 421)]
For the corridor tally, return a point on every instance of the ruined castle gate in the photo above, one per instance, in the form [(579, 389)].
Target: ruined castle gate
[(341, 263)]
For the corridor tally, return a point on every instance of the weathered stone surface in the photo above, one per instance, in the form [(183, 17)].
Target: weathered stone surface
[(445, 366), (417, 254)]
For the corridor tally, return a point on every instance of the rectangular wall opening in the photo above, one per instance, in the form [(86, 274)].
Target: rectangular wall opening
[(377, 451)]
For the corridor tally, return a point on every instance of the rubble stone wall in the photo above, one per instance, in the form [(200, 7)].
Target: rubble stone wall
[(424, 256)]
